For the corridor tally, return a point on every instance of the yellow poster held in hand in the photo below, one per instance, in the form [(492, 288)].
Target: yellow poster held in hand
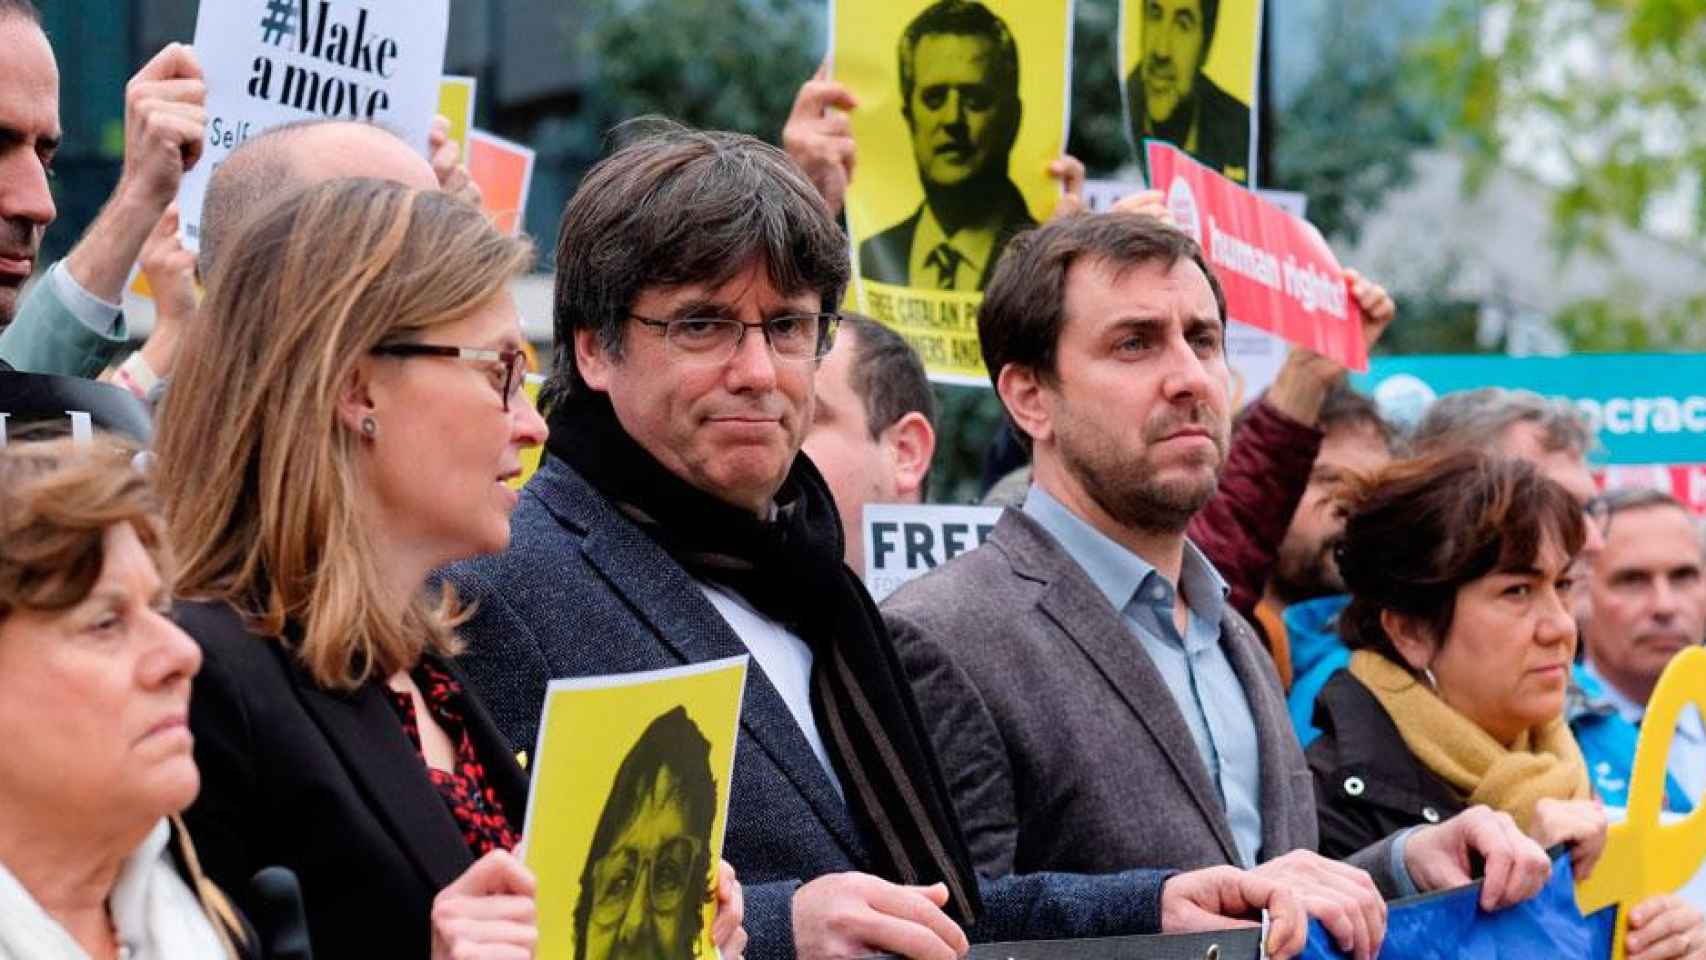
[(627, 809), (962, 107), (1644, 856), (1188, 69)]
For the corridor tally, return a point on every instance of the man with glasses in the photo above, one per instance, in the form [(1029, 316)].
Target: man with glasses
[(641, 892), (674, 522)]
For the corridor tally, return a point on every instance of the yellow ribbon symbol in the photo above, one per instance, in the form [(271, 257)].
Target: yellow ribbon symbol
[(1644, 857)]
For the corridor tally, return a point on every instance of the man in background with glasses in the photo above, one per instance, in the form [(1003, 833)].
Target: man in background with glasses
[(674, 522)]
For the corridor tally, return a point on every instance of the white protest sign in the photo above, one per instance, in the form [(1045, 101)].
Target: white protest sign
[(906, 541), (269, 62), (1100, 195)]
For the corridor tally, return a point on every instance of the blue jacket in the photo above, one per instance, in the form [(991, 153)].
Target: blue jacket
[(1608, 744), (1316, 654), (582, 591)]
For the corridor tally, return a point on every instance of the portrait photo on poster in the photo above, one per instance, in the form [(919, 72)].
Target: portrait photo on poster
[(963, 105), (1189, 72), (625, 818), (650, 861)]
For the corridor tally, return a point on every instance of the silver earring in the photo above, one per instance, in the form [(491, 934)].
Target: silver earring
[(1434, 684), (369, 427)]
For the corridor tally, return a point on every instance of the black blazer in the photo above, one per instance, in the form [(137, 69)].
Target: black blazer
[(326, 784), (1367, 783)]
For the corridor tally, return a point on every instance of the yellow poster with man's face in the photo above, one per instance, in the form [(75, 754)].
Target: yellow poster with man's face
[(1188, 69), (626, 812), (962, 107)]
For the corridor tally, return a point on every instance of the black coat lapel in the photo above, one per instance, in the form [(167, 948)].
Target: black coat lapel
[(386, 768), (686, 624)]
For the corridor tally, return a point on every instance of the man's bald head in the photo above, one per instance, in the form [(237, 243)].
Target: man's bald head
[(283, 160)]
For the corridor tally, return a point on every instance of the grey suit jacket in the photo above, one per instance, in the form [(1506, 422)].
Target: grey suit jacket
[(46, 337), (1062, 745), (582, 591)]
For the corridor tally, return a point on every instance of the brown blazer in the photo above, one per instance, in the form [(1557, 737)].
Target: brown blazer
[(1062, 746)]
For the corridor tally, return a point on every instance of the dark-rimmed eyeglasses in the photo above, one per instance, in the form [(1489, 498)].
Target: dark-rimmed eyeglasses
[(506, 378), (799, 337), (1598, 512), (669, 873)]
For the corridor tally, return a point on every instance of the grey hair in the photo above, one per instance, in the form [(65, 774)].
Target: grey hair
[(678, 207), (1477, 419), (20, 8), (1639, 498)]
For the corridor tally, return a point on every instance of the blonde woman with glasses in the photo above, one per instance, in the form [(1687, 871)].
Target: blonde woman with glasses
[(347, 413)]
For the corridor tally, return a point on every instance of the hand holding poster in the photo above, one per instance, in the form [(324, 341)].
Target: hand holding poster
[(269, 62), (627, 807), (1190, 78), (1277, 271), (963, 107)]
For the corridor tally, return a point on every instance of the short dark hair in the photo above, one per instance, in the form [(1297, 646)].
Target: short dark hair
[(1210, 18), (887, 374), (671, 742), (20, 8), (1024, 306), (679, 206), (1345, 406), (966, 18), (1421, 529)]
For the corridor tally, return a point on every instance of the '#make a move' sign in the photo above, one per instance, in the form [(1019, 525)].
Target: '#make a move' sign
[(1278, 272), (270, 62)]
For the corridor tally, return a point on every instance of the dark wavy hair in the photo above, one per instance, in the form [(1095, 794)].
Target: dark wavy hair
[(1422, 528), (677, 206)]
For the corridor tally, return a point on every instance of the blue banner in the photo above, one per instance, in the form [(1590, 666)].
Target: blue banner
[(1451, 926), (1644, 407)]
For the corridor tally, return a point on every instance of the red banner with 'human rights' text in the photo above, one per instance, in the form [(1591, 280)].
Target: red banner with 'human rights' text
[(1276, 269)]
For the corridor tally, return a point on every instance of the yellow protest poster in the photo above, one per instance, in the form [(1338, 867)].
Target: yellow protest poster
[(1643, 855), (627, 808), (456, 104), (962, 106), (1188, 69)]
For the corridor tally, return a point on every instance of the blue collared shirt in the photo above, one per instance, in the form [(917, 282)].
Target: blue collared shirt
[(1194, 665), (1687, 752)]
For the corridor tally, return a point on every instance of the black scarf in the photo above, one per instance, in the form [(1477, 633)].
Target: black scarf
[(790, 569)]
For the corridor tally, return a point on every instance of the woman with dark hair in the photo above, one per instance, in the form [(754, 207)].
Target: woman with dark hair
[(1460, 571)]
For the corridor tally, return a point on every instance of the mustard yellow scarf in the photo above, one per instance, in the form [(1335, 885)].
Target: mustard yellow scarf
[(1544, 762)]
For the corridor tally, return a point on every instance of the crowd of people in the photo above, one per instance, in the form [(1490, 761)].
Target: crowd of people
[(1211, 662)]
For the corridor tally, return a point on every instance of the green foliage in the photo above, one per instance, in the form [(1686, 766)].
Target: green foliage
[(1347, 136), (722, 64), (1610, 91), (1619, 324)]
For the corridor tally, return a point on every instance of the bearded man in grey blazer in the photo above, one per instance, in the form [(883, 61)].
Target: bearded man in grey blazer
[(1096, 703)]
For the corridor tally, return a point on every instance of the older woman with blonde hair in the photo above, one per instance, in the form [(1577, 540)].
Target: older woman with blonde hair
[(93, 860), (346, 414)]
